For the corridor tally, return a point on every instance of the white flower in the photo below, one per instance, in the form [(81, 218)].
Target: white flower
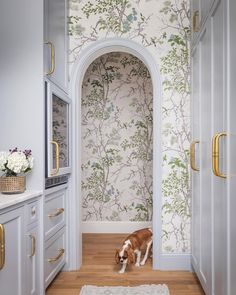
[(31, 162), (17, 162), (3, 159)]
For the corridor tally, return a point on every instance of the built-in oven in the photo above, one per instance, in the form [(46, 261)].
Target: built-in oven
[(58, 136)]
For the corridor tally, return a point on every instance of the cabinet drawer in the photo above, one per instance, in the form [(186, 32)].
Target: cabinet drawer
[(32, 213), (55, 256), (54, 216)]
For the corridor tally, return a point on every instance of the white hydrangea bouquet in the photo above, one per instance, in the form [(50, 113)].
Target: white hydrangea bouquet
[(13, 163)]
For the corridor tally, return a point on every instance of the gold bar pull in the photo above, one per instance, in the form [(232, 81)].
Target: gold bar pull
[(61, 252), (192, 155), (2, 246), (33, 245), (55, 171), (213, 154), (58, 212), (195, 23), (216, 154), (52, 49)]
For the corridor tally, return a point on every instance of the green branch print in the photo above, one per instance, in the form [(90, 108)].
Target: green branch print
[(117, 123), (175, 68), (110, 18), (117, 138)]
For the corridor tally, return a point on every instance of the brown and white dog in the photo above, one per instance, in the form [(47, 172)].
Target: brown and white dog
[(131, 246)]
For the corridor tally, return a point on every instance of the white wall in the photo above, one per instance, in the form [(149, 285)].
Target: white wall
[(21, 81)]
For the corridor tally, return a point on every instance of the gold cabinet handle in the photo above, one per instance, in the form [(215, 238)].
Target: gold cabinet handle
[(192, 155), (33, 245), (52, 49), (58, 212), (2, 246), (55, 171), (61, 252), (195, 21), (216, 154)]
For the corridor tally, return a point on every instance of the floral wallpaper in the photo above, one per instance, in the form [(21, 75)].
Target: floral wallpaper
[(162, 27), (117, 136), (60, 130)]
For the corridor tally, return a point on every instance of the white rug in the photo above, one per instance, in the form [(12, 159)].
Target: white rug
[(139, 290)]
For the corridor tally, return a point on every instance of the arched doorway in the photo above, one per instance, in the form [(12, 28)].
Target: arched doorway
[(96, 50)]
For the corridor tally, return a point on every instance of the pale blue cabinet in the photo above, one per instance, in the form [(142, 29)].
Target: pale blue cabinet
[(12, 253), (56, 42)]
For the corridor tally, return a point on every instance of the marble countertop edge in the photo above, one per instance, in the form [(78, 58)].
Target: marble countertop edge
[(7, 200)]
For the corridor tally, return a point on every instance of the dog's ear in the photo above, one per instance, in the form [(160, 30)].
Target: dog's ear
[(117, 257), (131, 256)]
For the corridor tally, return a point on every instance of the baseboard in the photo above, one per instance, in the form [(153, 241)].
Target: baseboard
[(113, 227), (199, 275), (174, 262)]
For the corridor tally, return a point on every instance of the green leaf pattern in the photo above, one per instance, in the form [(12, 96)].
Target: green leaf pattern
[(117, 174), (117, 135)]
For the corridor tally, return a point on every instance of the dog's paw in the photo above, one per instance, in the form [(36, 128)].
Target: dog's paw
[(137, 264), (142, 262), (121, 271)]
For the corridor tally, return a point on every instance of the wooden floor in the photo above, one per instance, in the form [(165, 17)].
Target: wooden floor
[(99, 268)]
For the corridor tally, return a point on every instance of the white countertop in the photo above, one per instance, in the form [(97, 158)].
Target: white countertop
[(7, 200)]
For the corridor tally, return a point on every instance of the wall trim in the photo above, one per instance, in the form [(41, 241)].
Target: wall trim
[(85, 58), (113, 227), (175, 261)]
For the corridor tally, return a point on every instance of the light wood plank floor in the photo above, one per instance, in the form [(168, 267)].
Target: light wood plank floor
[(99, 268)]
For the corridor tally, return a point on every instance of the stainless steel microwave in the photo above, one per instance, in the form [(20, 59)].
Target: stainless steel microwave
[(58, 133)]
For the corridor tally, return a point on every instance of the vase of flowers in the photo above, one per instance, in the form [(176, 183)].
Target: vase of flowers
[(14, 164)]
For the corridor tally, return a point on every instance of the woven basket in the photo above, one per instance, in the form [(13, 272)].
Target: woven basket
[(12, 184)]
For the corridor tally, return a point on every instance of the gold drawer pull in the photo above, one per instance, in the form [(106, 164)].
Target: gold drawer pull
[(61, 252), (33, 245), (55, 171), (58, 212), (2, 246), (52, 48), (192, 155), (196, 21), (216, 154)]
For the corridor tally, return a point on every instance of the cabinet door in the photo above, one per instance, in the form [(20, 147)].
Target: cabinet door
[(200, 9), (32, 263), (195, 177), (219, 193), (205, 161), (232, 146), (205, 8), (58, 131), (12, 272), (56, 38)]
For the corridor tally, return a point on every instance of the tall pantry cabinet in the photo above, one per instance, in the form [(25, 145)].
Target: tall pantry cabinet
[(213, 145), (21, 82), (232, 145), (30, 258)]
